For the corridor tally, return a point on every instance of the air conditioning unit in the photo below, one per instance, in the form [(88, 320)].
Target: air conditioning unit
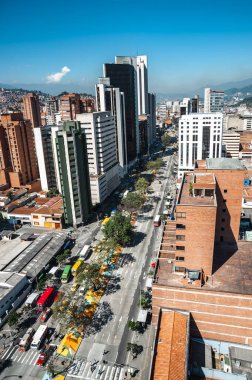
[(237, 363)]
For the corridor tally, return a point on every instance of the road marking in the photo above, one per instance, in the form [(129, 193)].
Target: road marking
[(34, 356), (8, 351), (28, 356), (20, 357)]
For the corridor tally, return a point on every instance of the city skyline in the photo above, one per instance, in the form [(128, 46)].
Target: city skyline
[(189, 46)]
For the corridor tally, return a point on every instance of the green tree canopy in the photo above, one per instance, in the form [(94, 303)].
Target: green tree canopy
[(166, 139), (154, 165), (13, 318), (90, 276), (133, 201), (119, 229), (141, 185)]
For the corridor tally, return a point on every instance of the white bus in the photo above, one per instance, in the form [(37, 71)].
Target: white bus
[(32, 299), (85, 251), (39, 337), (26, 340)]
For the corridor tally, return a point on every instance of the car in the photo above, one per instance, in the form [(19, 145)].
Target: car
[(45, 314), (42, 359)]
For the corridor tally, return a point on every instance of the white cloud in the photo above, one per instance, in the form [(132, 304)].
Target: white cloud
[(54, 78)]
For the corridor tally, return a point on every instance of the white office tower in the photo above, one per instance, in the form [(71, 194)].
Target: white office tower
[(200, 137), (142, 84), (213, 100), (44, 151), (109, 98), (100, 131), (185, 106)]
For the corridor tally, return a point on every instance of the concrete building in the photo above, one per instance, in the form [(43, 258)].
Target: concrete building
[(109, 98), (124, 77), (43, 144), (200, 137), (144, 126), (14, 287), (32, 109), (142, 84), (18, 161), (51, 108), (231, 143), (100, 131), (185, 106), (70, 106), (202, 267), (213, 100), (195, 104), (70, 147), (152, 119)]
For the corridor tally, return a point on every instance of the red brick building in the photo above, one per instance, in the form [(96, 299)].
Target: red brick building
[(210, 276)]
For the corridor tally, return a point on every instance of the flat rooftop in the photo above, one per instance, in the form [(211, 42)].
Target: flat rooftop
[(233, 275), (8, 281), (38, 254), (224, 164), (10, 249), (185, 197), (204, 179)]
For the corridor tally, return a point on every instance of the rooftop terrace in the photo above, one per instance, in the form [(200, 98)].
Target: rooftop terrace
[(198, 190)]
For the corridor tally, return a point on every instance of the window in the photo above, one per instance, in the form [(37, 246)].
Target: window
[(225, 190), (180, 258), (180, 214), (222, 228), (223, 210), (179, 269), (221, 238), (180, 226), (180, 248), (223, 219), (180, 237)]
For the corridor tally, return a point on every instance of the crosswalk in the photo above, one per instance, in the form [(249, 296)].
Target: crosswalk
[(29, 357), (85, 370)]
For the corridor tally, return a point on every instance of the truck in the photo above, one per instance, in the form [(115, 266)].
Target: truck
[(32, 299), (157, 221), (85, 252)]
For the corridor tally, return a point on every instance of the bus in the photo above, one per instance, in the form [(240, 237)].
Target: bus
[(76, 267), (32, 299), (66, 274), (25, 342), (39, 337), (45, 299), (157, 221), (84, 252)]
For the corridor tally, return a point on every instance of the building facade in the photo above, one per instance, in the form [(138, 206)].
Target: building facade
[(100, 132), (231, 143), (18, 161), (111, 99), (32, 109), (43, 144), (73, 175), (213, 100), (200, 137), (70, 106)]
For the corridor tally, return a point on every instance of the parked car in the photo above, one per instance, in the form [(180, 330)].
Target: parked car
[(45, 314)]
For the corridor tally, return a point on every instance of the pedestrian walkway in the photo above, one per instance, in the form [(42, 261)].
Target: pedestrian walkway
[(29, 357), (86, 370)]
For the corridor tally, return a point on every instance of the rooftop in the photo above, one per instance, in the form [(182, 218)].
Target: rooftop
[(8, 281), (224, 164), (233, 275), (186, 196), (171, 350), (9, 249)]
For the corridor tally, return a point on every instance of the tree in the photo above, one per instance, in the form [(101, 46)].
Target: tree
[(141, 185), (52, 192), (133, 201), (10, 195), (90, 276), (63, 256), (134, 325), (166, 139), (145, 300), (135, 349), (71, 313), (119, 229), (154, 165), (13, 318)]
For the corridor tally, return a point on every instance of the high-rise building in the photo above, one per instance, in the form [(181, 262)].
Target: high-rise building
[(185, 106), (152, 113), (18, 161), (51, 108), (213, 100), (32, 109), (195, 104), (100, 131), (70, 106), (71, 154), (231, 143), (123, 76), (200, 137), (142, 84), (43, 144), (109, 98)]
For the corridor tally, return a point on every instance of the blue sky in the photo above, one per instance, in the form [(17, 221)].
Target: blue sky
[(189, 43)]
